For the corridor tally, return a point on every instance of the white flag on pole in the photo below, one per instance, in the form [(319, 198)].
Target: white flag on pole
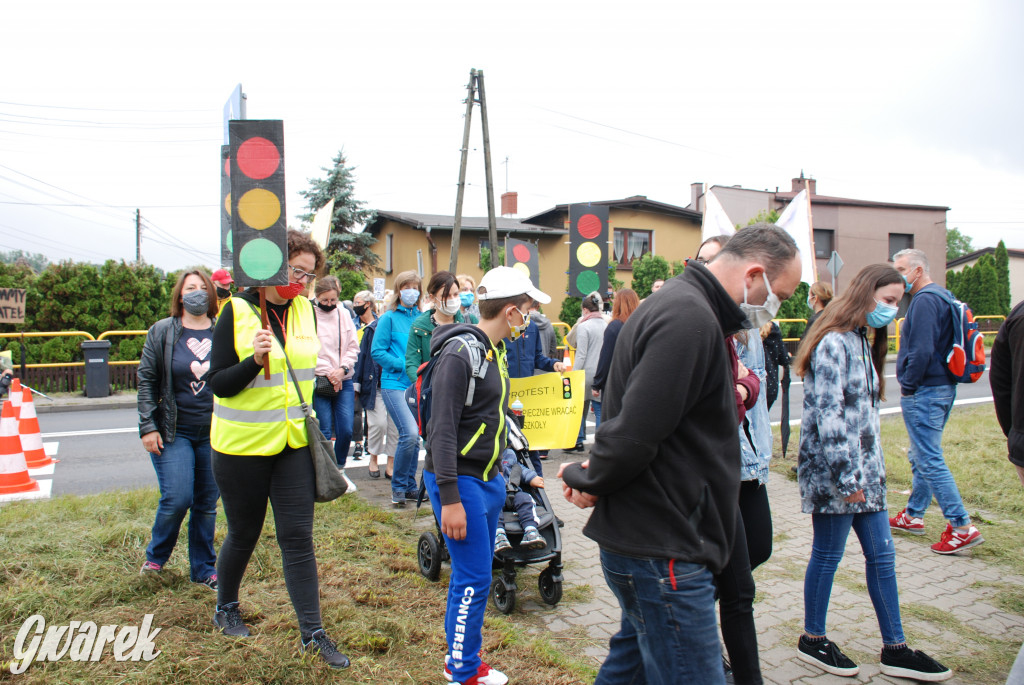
[(796, 221), (716, 221), (320, 229)]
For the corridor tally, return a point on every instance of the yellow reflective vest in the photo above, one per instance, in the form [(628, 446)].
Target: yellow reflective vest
[(267, 415)]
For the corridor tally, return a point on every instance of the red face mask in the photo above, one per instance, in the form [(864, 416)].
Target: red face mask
[(290, 291)]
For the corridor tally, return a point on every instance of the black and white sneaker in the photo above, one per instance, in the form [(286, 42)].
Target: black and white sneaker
[(229, 619), (398, 500), (826, 655), (913, 664), (319, 643)]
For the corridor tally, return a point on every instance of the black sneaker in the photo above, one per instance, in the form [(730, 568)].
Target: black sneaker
[(826, 655), (357, 452), (319, 643), (229, 619), (398, 500), (913, 664)]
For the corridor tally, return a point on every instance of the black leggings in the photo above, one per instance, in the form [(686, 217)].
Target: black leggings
[(246, 484), (736, 588)]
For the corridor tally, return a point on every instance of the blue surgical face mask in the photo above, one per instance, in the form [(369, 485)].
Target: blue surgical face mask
[(409, 296), (909, 285), (882, 315), (810, 305), (466, 299)]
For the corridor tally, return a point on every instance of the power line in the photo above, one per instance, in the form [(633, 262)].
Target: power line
[(104, 109), (96, 140), (79, 123), (51, 204)]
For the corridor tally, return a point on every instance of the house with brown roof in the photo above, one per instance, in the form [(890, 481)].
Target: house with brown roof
[(1016, 262), (862, 231), (637, 226)]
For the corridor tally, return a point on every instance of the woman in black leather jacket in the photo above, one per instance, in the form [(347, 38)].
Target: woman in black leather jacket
[(175, 408)]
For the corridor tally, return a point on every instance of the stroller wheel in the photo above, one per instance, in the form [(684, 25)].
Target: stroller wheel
[(428, 554), (550, 588), (504, 596)]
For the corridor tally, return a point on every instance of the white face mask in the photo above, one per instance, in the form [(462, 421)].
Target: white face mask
[(760, 314), (450, 307), (517, 331)]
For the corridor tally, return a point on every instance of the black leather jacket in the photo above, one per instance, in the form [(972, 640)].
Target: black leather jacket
[(157, 408)]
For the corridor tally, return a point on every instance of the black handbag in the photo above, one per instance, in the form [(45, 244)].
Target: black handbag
[(324, 388)]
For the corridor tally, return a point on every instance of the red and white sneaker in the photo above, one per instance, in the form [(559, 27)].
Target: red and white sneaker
[(485, 675), (953, 540), (908, 524)]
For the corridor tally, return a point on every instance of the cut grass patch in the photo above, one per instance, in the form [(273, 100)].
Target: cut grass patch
[(78, 558)]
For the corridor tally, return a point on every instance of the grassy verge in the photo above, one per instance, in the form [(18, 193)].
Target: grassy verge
[(77, 559), (975, 450)]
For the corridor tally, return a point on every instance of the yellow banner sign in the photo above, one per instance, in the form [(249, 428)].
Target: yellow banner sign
[(552, 407)]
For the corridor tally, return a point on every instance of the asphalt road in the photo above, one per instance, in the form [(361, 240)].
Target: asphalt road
[(101, 451)]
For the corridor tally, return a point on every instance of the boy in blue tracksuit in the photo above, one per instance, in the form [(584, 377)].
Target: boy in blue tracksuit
[(464, 445)]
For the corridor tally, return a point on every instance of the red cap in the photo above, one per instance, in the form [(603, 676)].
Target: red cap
[(221, 276)]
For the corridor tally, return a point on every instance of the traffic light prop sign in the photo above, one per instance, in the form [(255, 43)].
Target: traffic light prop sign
[(588, 249), (523, 256), (259, 232), (226, 259), (258, 225)]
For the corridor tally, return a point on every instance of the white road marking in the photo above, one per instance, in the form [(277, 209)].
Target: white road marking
[(898, 410), (102, 431)]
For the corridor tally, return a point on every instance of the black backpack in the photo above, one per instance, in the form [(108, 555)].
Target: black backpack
[(419, 394)]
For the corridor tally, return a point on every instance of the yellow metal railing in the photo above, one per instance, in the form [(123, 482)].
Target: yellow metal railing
[(565, 348), (73, 334), (803, 321), (50, 334), (106, 334)]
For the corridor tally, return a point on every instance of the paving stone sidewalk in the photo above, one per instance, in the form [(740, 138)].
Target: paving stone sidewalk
[(590, 614)]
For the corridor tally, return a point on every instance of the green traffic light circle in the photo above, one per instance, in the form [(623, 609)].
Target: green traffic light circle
[(588, 281), (260, 259)]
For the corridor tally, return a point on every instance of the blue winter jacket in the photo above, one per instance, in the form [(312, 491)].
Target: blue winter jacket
[(925, 338), (527, 353), (756, 429), (366, 374), (389, 346)]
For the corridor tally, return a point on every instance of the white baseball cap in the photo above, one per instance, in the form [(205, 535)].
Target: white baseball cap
[(505, 281)]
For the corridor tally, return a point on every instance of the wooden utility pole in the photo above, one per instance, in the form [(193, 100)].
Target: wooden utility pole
[(492, 224), (138, 236), (453, 261)]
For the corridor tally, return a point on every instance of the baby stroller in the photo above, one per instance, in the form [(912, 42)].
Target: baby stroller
[(431, 550)]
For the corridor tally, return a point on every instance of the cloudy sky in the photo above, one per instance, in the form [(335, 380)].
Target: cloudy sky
[(110, 106)]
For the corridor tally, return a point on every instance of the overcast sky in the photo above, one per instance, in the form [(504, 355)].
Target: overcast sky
[(118, 105)]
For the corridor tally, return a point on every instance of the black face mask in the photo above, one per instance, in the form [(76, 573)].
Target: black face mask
[(327, 307), (359, 309), (223, 293)]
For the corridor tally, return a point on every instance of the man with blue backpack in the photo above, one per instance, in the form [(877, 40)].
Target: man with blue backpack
[(462, 398), (927, 392)]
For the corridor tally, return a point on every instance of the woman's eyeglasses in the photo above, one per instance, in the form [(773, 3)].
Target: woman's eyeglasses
[(299, 274)]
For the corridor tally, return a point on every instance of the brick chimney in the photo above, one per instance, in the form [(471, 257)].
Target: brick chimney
[(696, 190), (509, 204), (801, 183)]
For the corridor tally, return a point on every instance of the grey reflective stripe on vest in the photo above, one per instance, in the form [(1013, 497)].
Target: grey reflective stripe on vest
[(255, 416), (277, 379)]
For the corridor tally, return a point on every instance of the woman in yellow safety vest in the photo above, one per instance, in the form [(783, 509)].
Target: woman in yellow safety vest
[(260, 446)]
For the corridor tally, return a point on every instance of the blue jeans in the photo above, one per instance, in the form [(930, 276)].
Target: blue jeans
[(583, 422), (668, 632), (335, 416), (407, 454), (596, 406), (925, 414), (185, 475), (470, 581), (830, 534)]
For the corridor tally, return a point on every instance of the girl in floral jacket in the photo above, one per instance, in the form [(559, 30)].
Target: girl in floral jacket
[(841, 470)]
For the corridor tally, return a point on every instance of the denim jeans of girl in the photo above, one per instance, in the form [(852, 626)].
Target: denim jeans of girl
[(335, 417)]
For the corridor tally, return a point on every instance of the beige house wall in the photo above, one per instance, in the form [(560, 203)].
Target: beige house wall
[(1016, 277)]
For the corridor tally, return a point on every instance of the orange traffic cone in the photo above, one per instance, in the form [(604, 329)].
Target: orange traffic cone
[(16, 393), (31, 438), (13, 469), (567, 360)]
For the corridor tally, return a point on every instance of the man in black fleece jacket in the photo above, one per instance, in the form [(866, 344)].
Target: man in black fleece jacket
[(664, 469), (1006, 376), (464, 446)]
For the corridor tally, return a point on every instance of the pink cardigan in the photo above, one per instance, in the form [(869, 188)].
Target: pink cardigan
[(335, 352)]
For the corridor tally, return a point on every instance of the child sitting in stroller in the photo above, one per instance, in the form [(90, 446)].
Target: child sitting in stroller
[(522, 502)]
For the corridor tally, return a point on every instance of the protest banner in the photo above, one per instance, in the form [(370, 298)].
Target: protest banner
[(552, 408), (12, 305)]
